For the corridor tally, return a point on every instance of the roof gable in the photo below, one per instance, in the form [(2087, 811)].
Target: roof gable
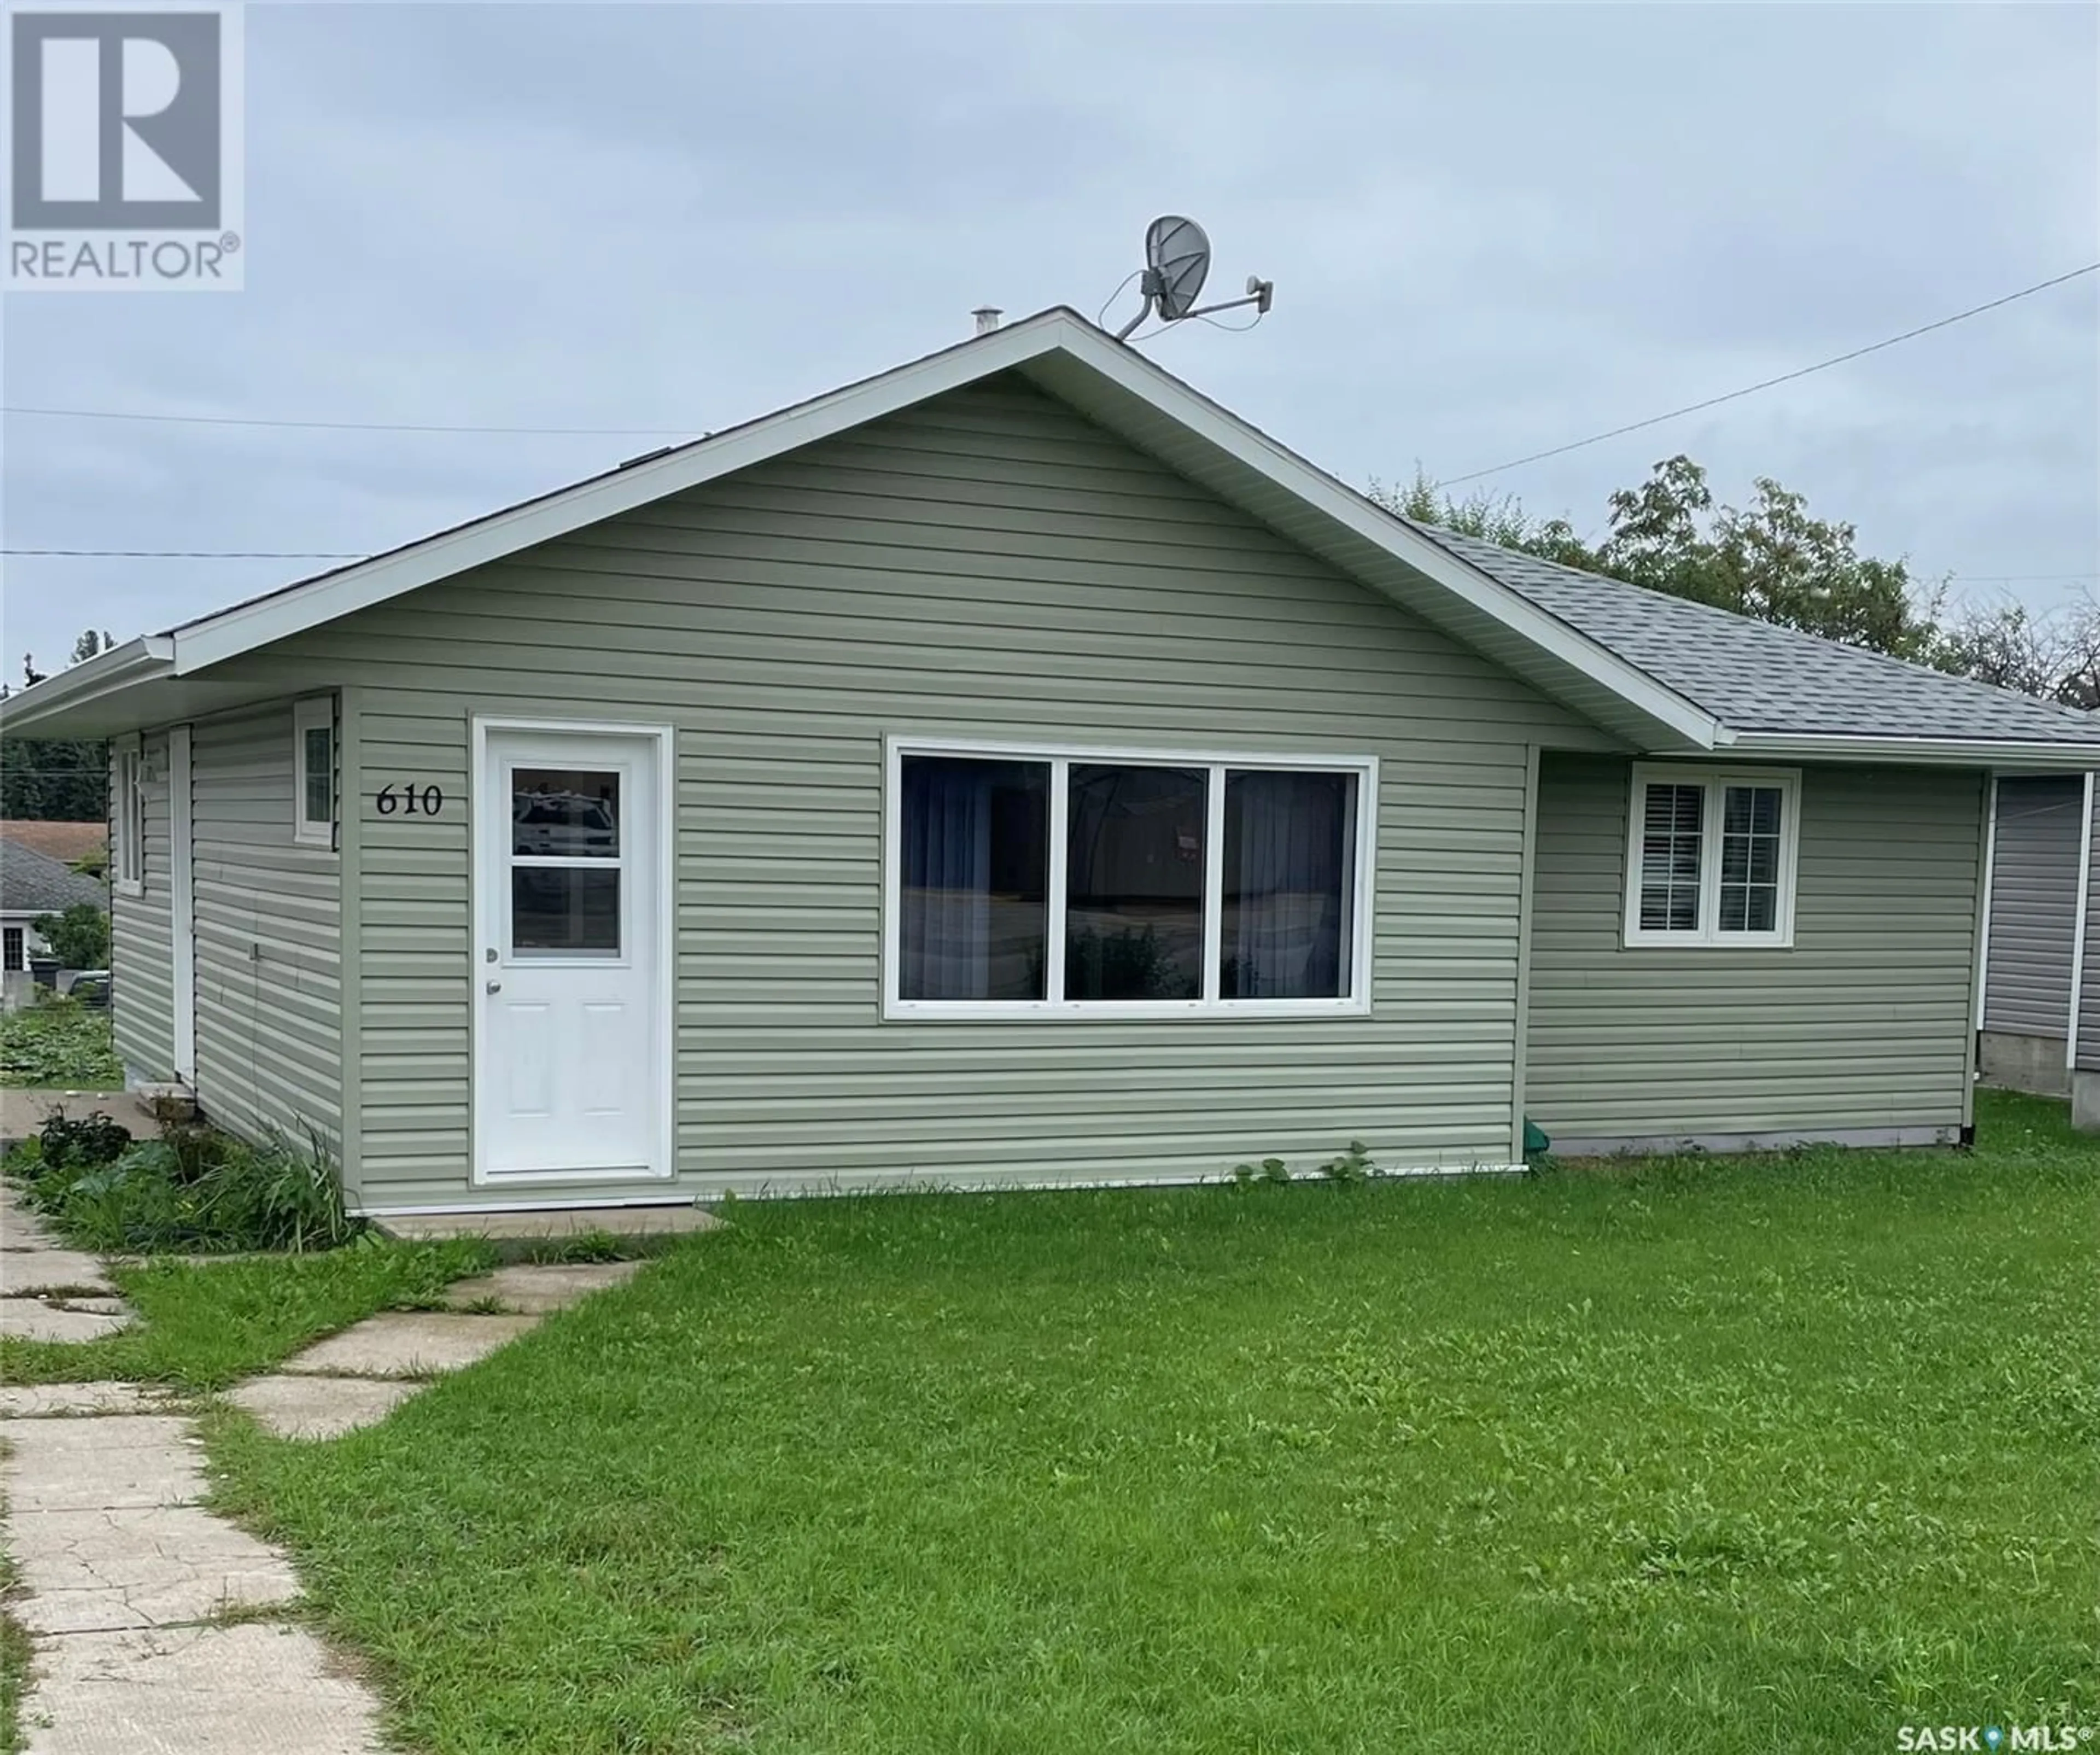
[(1592, 648)]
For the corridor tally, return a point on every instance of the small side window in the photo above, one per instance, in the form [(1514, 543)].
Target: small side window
[(313, 771), (127, 816)]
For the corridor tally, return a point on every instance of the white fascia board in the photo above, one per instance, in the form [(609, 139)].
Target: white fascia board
[(247, 626), (121, 666), (2010, 754)]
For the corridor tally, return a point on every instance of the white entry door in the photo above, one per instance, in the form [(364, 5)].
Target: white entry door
[(572, 1067)]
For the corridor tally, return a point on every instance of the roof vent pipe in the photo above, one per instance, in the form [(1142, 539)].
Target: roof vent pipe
[(987, 316)]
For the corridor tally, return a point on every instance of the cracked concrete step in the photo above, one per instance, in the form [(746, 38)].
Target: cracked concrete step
[(404, 1344), (320, 1407), (254, 1689), (102, 1571), (118, 1462), (36, 1401), (26, 1272), (33, 1319), (535, 1288)]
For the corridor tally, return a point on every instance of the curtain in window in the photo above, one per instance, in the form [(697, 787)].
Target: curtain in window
[(973, 877), (1286, 892)]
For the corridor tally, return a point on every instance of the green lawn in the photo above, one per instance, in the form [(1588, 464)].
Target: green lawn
[(206, 1327), (1684, 1456)]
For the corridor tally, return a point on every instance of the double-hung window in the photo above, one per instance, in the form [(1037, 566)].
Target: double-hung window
[(1027, 881), (1711, 856), (127, 851)]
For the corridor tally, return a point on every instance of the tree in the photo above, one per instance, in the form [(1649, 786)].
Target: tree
[(1769, 560), (79, 938), (2055, 656), (56, 780)]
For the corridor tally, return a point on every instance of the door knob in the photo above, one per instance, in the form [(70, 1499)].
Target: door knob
[(495, 987)]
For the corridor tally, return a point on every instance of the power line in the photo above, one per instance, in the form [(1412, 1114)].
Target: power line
[(1785, 377), (347, 426)]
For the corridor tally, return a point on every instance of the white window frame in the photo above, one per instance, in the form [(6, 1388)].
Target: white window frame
[(1709, 936), (127, 817), (1059, 758), (315, 713)]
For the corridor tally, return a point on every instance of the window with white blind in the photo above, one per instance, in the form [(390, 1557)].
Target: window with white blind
[(1711, 856)]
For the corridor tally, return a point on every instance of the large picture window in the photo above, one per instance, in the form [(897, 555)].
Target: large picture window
[(1711, 856), (1121, 883)]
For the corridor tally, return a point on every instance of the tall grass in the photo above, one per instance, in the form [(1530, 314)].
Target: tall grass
[(193, 1190)]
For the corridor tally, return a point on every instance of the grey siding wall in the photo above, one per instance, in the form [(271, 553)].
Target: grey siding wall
[(2034, 902), (1864, 1023), (989, 564), (269, 1002), (141, 950)]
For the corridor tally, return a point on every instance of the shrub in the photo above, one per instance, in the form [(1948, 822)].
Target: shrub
[(79, 938), (194, 1191)]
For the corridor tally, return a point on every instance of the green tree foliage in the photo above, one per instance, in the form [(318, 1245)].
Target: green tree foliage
[(79, 937), (1770, 559), (54, 780)]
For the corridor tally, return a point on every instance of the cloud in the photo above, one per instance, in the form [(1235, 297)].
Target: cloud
[(1492, 230)]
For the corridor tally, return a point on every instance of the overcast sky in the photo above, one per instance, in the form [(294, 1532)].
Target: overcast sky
[(1492, 229)]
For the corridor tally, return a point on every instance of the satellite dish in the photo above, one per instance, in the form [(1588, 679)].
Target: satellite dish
[(1177, 260), (1177, 257)]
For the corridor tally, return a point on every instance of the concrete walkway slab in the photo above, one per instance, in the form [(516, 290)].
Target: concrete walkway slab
[(534, 1287), (24, 1273), (96, 1571), (409, 1344), (320, 1407), (21, 1229), (254, 1689), (33, 1320), (561, 1222), (36, 1401), (116, 1462)]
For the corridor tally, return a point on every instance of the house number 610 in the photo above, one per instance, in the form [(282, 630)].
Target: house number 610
[(411, 800)]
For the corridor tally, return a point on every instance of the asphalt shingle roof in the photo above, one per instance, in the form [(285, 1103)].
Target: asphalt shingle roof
[(1755, 676), (31, 883)]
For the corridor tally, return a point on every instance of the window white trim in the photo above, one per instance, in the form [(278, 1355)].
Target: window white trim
[(1715, 780), (1060, 758), (315, 713), (127, 816)]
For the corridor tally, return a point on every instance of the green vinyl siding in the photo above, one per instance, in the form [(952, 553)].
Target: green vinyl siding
[(141, 932), (1865, 1024), (269, 1003), (986, 565)]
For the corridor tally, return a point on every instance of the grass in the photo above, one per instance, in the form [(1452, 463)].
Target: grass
[(203, 1327), (14, 1662), (58, 1045), (1695, 1456)]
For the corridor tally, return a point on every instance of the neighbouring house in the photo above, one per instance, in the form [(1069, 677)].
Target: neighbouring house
[(72, 844), (32, 885), (1015, 770), (2039, 1020)]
